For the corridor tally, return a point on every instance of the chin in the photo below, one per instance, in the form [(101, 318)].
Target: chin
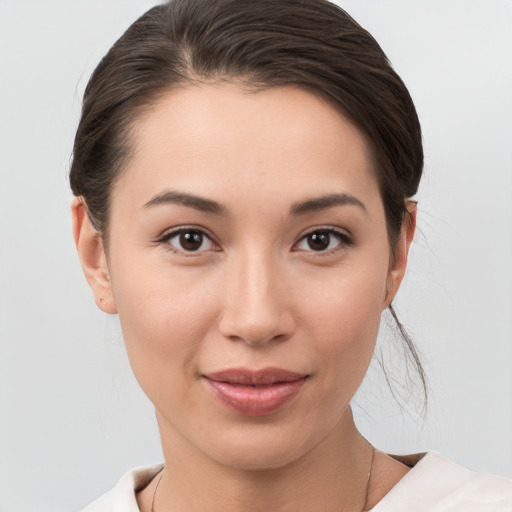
[(260, 448), (258, 460)]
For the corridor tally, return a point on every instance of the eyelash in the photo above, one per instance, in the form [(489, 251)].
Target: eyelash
[(166, 238), (344, 240)]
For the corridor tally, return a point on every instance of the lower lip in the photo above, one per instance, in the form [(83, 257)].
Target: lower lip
[(254, 400)]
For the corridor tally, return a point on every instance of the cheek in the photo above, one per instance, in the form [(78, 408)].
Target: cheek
[(343, 317), (164, 318), (348, 300)]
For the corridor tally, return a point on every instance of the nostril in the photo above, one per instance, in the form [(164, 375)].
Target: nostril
[(255, 308), (253, 334)]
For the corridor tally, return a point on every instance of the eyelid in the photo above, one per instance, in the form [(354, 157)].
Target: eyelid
[(332, 229), (345, 238), (343, 235), (170, 233)]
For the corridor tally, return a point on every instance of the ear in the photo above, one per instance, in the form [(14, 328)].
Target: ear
[(91, 253), (401, 251)]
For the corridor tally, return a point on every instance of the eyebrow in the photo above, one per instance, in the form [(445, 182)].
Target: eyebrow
[(317, 204), (188, 200)]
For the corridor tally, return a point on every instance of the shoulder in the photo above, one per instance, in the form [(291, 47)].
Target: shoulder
[(436, 484), (122, 497)]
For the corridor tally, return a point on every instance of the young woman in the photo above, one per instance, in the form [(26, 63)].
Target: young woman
[(243, 174)]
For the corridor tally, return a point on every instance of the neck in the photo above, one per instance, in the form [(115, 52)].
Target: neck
[(331, 477)]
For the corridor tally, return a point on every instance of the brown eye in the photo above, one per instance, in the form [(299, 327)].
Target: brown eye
[(319, 240), (323, 240), (189, 240)]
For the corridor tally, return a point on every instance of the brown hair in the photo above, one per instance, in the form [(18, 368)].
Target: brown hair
[(311, 44)]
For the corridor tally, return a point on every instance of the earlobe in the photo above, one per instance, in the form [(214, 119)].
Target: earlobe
[(400, 254), (91, 253)]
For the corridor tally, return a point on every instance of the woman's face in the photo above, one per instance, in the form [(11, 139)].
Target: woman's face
[(249, 263)]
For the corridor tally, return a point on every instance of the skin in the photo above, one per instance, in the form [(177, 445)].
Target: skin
[(255, 294)]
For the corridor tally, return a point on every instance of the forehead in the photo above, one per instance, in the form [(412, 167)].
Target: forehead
[(224, 140)]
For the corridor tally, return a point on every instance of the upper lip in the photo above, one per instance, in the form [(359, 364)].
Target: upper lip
[(247, 377)]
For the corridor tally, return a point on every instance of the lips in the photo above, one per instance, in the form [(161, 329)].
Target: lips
[(254, 393)]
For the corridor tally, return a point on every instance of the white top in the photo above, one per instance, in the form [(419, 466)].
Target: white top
[(434, 484)]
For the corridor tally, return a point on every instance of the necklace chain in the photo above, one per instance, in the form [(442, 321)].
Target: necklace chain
[(367, 491), (156, 489), (366, 494)]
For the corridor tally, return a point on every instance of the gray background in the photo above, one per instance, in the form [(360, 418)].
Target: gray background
[(72, 419)]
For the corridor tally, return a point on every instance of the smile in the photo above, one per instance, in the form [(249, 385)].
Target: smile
[(254, 393)]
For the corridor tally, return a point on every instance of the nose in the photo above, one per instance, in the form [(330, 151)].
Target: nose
[(256, 308)]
